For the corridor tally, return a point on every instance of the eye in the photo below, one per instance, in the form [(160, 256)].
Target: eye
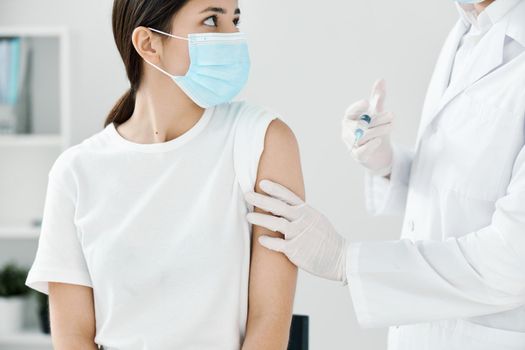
[(237, 21), (211, 21)]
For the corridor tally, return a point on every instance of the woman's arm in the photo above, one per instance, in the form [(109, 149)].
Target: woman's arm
[(272, 276), (72, 316)]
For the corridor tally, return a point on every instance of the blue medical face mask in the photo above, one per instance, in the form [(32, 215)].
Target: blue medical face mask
[(219, 67)]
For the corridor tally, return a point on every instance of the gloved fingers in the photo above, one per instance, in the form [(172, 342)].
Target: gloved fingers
[(377, 96), (270, 222), (280, 192), (374, 132), (348, 131), (270, 204), (350, 126), (348, 137), (272, 243), (356, 110), (381, 118), (364, 152)]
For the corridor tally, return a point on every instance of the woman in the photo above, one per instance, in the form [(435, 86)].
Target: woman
[(144, 241)]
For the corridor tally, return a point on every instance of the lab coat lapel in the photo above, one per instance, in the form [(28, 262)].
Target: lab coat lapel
[(487, 56), (516, 29), (441, 75)]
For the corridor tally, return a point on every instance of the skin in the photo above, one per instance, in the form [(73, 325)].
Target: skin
[(483, 5), (72, 316), (272, 276), (163, 112)]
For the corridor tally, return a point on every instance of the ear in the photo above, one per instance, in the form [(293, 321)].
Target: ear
[(147, 44)]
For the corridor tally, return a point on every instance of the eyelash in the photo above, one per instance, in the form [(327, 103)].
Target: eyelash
[(215, 20)]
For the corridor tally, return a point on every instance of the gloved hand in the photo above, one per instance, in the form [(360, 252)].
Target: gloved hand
[(373, 149), (310, 242)]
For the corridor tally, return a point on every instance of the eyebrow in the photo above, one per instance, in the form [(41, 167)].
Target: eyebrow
[(220, 10)]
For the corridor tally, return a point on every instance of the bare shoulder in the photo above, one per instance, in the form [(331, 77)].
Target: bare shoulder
[(280, 160), (279, 132)]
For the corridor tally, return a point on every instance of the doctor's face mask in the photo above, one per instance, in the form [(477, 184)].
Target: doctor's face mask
[(219, 67)]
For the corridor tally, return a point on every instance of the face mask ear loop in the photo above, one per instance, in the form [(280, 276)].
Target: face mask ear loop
[(168, 34), (160, 69)]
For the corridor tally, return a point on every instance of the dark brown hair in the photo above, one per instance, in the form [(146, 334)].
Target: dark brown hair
[(128, 15)]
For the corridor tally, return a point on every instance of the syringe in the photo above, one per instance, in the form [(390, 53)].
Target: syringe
[(365, 121)]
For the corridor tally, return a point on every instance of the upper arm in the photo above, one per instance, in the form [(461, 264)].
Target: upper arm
[(272, 276), (72, 316), (60, 268)]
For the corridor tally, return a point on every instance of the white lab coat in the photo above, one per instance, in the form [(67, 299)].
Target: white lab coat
[(456, 279)]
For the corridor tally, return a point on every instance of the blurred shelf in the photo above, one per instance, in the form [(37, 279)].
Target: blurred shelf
[(30, 140), (32, 31), (26, 337), (19, 232)]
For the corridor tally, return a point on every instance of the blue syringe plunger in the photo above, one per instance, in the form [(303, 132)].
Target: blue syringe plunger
[(360, 131), (358, 134), (366, 118)]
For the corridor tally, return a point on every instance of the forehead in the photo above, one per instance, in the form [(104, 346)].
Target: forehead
[(222, 6)]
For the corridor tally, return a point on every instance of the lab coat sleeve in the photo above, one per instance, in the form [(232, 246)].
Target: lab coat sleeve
[(388, 197), (403, 282)]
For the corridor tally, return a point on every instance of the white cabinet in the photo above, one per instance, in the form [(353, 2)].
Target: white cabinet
[(27, 340), (28, 151)]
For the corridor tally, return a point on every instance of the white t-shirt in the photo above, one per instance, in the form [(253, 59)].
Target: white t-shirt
[(158, 231)]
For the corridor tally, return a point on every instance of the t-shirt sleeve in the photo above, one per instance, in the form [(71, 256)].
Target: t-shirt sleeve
[(59, 256), (252, 123)]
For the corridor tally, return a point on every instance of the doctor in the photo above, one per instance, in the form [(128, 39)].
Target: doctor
[(456, 278)]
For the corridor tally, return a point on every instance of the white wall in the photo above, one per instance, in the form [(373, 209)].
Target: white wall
[(310, 60)]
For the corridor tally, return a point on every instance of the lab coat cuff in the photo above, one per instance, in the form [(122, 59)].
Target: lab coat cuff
[(377, 190), (355, 285), (387, 196)]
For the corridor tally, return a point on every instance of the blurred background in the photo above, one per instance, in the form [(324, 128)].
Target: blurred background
[(60, 74)]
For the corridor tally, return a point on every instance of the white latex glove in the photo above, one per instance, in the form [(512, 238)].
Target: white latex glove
[(310, 241), (374, 149)]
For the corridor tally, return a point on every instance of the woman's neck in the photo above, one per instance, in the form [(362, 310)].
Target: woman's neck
[(483, 5), (162, 112)]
